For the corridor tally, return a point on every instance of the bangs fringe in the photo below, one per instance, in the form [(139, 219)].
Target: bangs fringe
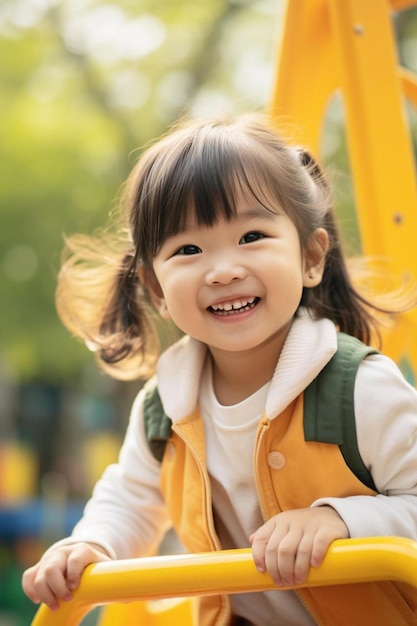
[(200, 175)]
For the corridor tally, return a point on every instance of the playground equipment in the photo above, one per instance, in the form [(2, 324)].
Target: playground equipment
[(349, 47), (17, 472), (327, 46), (229, 571)]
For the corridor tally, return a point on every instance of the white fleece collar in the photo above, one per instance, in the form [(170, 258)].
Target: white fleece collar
[(179, 371), (309, 347)]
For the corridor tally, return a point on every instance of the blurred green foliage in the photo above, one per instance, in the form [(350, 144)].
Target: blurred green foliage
[(84, 86)]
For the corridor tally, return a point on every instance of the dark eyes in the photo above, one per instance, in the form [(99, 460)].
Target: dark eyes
[(192, 249), (188, 249), (251, 237)]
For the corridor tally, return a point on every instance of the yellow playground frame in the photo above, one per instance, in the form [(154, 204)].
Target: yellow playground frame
[(229, 571), (349, 46), (326, 45)]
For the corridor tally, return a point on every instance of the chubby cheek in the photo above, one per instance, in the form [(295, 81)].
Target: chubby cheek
[(290, 289), (185, 322), (183, 308), (174, 295)]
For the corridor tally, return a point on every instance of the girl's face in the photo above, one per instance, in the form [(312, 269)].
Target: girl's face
[(236, 285)]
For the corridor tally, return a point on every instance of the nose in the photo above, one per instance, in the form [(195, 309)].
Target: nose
[(224, 271)]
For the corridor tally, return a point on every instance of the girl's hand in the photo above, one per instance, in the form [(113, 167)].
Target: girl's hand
[(59, 571), (290, 542)]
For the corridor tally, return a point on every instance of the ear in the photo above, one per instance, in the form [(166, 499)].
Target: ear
[(315, 257), (150, 282)]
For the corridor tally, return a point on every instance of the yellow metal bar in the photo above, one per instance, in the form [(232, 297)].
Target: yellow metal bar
[(349, 46), (328, 45), (380, 146), (231, 571), (379, 140), (306, 73)]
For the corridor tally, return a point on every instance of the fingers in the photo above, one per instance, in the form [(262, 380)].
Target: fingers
[(59, 572), (259, 541), (322, 540), (280, 558), (281, 552), (45, 582), (77, 561), (291, 542), (302, 562)]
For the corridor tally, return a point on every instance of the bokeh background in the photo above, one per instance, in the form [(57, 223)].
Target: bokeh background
[(85, 85)]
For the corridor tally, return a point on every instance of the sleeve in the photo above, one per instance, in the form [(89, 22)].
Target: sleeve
[(386, 425), (126, 514)]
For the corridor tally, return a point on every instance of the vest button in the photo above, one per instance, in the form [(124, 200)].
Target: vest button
[(276, 460)]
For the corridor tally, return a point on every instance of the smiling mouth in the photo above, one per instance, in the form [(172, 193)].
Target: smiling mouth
[(234, 307)]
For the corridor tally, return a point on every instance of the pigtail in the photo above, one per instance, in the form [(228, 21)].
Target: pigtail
[(313, 168), (337, 297), (100, 300), (126, 326), (122, 312), (122, 318)]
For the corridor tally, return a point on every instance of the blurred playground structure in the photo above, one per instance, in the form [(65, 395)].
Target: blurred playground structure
[(350, 46), (327, 47)]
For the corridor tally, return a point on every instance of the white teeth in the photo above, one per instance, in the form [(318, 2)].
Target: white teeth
[(235, 305)]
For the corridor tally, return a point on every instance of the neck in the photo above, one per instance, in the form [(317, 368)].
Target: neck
[(237, 375)]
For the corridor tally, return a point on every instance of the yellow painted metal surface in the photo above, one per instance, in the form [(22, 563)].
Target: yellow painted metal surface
[(350, 47), (230, 571), (163, 612)]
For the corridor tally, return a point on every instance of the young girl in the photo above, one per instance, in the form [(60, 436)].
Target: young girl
[(232, 237)]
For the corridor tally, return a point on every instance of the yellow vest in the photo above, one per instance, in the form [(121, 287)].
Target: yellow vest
[(290, 473)]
